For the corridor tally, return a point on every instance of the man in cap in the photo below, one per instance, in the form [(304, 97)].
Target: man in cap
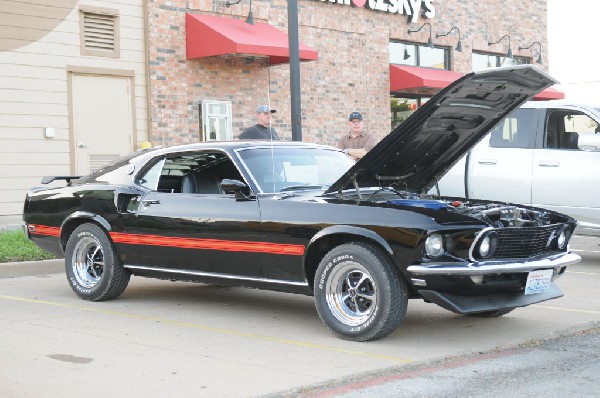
[(261, 130), (357, 142)]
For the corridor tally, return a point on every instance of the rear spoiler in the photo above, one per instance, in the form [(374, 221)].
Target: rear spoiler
[(49, 179)]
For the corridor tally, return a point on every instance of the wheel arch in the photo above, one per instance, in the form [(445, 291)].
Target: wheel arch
[(76, 219), (330, 237)]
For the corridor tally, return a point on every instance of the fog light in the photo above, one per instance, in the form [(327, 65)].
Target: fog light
[(477, 279), (434, 245)]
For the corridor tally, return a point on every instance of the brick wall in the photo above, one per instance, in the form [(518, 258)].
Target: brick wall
[(351, 73)]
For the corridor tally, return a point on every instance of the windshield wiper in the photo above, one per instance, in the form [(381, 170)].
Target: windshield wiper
[(300, 187)]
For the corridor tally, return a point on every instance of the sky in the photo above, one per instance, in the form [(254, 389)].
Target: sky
[(572, 48)]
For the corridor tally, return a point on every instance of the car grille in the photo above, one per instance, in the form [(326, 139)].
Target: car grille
[(524, 242)]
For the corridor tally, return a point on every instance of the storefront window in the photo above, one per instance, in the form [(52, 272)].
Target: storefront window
[(402, 107), (482, 61), (403, 104), (419, 55)]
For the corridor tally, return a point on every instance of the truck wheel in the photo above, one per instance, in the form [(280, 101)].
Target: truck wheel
[(92, 266), (358, 294)]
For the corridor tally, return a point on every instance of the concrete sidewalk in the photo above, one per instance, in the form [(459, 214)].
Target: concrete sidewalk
[(32, 268)]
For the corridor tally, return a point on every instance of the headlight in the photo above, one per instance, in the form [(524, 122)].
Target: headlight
[(487, 245), (434, 245)]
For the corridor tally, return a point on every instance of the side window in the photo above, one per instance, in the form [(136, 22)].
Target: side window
[(190, 173), (515, 131), (564, 128)]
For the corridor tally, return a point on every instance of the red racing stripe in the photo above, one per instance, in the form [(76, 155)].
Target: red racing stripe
[(207, 244), (43, 230)]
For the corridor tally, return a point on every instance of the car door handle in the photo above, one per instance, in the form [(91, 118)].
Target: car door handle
[(487, 161), (149, 202), (548, 163)]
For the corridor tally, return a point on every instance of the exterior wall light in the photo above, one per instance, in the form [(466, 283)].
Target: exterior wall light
[(429, 42), (539, 59), (459, 44), (250, 18), (509, 54)]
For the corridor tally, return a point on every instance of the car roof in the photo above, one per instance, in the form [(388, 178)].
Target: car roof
[(555, 103)]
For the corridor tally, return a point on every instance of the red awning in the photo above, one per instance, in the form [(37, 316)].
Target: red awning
[(414, 79), (549, 94), (208, 35)]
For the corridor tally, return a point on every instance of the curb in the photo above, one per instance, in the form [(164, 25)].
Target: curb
[(32, 268)]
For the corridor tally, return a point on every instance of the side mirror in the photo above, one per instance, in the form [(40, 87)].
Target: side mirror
[(589, 142), (234, 186)]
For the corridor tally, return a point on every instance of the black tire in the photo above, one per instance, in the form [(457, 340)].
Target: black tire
[(492, 314), (92, 266), (358, 294)]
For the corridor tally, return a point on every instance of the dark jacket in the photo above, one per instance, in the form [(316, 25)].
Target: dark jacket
[(259, 132)]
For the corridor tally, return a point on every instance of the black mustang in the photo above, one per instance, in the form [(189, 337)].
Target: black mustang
[(362, 238)]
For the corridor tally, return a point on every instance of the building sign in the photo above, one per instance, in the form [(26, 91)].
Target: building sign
[(411, 8)]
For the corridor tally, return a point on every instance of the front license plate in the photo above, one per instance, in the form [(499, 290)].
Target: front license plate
[(538, 281)]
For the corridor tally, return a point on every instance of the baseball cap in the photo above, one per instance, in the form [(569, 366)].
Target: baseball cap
[(265, 108), (355, 115)]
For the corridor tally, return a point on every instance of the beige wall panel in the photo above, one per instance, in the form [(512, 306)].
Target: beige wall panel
[(34, 146), (26, 108), (24, 183), (30, 133), (28, 34), (12, 208), (34, 170), (36, 22), (33, 96), (133, 48), (53, 60), (14, 196), (35, 121), (46, 9), (53, 158), (10, 68), (25, 83)]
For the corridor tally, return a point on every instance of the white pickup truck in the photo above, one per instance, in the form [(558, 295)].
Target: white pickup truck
[(544, 154)]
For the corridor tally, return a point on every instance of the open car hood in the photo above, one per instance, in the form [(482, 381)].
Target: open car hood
[(427, 144)]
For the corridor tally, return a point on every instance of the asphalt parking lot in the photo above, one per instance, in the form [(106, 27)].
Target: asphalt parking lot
[(184, 339)]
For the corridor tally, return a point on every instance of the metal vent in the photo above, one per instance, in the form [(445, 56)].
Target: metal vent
[(99, 32), (98, 161)]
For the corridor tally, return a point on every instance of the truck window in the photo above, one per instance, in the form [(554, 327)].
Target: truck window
[(514, 131), (564, 127)]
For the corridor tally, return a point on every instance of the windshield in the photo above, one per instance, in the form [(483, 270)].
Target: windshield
[(286, 169)]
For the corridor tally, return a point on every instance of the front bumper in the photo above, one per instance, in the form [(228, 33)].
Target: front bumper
[(557, 262), (490, 302), (467, 287)]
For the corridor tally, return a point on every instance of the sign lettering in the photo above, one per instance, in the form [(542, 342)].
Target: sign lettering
[(410, 8)]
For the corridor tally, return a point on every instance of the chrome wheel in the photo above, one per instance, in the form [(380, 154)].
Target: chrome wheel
[(351, 293), (88, 262)]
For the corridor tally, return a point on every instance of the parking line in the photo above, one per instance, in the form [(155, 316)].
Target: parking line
[(583, 273), (566, 309), (231, 332)]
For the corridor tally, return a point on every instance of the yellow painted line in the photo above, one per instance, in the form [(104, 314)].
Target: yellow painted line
[(583, 273), (295, 343), (566, 309)]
